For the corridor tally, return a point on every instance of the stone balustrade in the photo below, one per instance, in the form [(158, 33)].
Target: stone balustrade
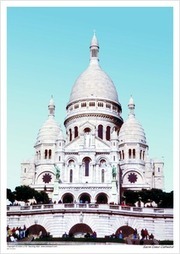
[(100, 207)]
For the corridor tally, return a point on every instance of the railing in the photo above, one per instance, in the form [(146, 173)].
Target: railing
[(84, 206), (114, 207)]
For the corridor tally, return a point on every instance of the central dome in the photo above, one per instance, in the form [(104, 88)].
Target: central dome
[(94, 82)]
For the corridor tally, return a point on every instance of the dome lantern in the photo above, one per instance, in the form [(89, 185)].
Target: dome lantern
[(94, 49), (51, 107), (131, 106)]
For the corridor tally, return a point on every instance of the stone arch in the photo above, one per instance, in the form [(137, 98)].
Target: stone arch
[(126, 230), (87, 130), (71, 159), (101, 198), (85, 197), (80, 229), (68, 198), (36, 229), (100, 159)]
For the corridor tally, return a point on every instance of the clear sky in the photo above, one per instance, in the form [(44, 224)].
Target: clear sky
[(48, 48)]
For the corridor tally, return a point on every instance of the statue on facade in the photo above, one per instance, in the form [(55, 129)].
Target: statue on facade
[(57, 172), (114, 172), (87, 139)]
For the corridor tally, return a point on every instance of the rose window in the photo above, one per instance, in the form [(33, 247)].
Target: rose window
[(132, 177), (47, 178)]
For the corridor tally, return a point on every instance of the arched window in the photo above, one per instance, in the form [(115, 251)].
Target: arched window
[(134, 153), (86, 162), (70, 135), (71, 163), (123, 154), (87, 130), (50, 153), (75, 131), (45, 154), (71, 176), (143, 154), (102, 163), (120, 155), (140, 154), (102, 176), (100, 131), (108, 133), (129, 153)]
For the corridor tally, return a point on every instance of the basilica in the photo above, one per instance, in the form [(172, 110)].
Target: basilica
[(100, 155)]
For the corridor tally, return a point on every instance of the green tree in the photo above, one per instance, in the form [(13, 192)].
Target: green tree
[(162, 199), (24, 193), (131, 197), (10, 195), (41, 197)]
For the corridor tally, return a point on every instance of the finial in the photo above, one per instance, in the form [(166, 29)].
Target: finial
[(131, 106), (51, 107), (51, 102), (94, 49)]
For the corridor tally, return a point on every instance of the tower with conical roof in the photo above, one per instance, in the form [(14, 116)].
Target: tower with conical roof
[(40, 173), (137, 170)]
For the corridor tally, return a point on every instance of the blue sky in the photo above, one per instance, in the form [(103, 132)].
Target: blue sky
[(48, 48)]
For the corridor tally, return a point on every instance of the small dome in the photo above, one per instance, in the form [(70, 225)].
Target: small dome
[(48, 132), (131, 130), (50, 129)]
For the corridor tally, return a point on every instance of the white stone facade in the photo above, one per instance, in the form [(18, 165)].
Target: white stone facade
[(99, 156)]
